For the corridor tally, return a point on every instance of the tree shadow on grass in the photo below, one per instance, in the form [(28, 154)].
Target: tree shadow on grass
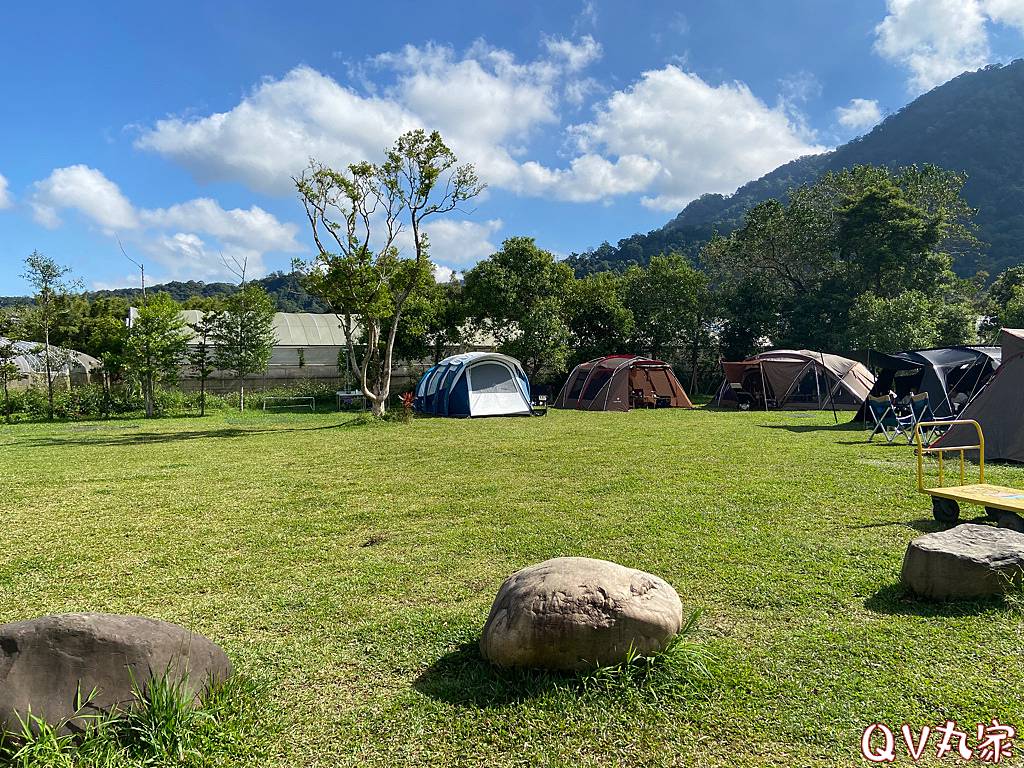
[(464, 678), (142, 438), (925, 525), (897, 600), (843, 426)]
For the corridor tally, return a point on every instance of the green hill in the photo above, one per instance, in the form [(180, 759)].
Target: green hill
[(287, 292), (974, 123)]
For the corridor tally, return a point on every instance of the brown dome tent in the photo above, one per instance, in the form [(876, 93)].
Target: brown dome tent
[(621, 382), (999, 407), (796, 379)]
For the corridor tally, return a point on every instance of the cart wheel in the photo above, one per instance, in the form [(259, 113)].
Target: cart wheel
[(945, 510)]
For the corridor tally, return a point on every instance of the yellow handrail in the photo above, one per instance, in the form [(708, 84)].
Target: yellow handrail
[(922, 449)]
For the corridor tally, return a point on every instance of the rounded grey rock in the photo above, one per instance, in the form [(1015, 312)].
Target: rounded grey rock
[(49, 664), (575, 613), (965, 562)]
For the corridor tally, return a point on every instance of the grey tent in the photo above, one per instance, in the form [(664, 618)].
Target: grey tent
[(946, 374), (999, 408)]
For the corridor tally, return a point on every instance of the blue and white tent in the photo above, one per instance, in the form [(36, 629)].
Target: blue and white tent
[(474, 384)]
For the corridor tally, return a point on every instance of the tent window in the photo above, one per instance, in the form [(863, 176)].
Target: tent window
[(597, 380), (577, 385), (808, 389), (492, 377)]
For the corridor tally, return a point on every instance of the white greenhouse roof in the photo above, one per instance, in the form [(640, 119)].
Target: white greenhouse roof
[(296, 329), (30, 358)]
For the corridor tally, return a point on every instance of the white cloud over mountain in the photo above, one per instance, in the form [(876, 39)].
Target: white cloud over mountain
[(699, 138), (936, 40), (859, 114), (670, 134)]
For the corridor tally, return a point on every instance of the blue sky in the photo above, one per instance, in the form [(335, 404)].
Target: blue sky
[(176, 127)]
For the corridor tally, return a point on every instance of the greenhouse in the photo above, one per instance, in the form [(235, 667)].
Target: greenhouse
[(67, 365)]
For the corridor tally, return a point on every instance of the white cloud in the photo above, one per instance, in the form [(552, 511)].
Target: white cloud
[(859, 114), (461, 243), (170, 236), (6, 201), (576, 54), (684, 137), (185, 255), (271, 134), (86, 190), (669, 134), (1009, 12), (587, 17), (590, 177), (253, 227), (486, 104), (935, 39), (444, 274)]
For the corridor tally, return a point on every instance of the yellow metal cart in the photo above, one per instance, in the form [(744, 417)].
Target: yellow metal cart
[(946, 499)]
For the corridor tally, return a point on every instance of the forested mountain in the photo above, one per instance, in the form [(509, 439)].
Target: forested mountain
[(284, 288), (973, 124)]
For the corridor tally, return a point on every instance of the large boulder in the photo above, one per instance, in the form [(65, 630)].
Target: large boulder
[(573, 613), (45, 662), (965, 562)]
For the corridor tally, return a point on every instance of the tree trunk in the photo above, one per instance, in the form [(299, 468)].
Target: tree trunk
[(693, 361), (202, 396), (7, 403), (378, 407), (147, 395)]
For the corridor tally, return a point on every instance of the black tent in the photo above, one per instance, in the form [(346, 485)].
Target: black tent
[(949, 375)]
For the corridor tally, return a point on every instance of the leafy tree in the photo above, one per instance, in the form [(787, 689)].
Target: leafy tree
[(888, 242), (155, 346), (1003, 306), (670, 303), (519, 296), (243, 334), (805, 262), (8, 370), (202, 353), (910, 320), (50, 282), (435, 322), (358, 219), (599, 321)]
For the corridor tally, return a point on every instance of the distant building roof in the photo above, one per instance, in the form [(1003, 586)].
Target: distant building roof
[(296, 329)]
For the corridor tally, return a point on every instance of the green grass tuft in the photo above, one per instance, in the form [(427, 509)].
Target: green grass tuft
[(164, 727)]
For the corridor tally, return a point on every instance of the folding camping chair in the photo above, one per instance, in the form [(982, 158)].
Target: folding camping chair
[(888, 419)]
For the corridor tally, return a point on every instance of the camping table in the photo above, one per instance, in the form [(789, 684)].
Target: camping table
[(946, 498), (351, 396)]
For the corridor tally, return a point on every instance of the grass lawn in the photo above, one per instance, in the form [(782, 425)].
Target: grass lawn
[(350, 567)]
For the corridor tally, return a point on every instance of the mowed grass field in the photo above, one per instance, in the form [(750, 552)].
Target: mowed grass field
[(350, 568)]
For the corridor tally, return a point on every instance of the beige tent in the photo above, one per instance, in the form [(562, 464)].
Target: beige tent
[(796, 379), (999, 407)]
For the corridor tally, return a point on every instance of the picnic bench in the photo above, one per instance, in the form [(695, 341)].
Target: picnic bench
[(295, 401)]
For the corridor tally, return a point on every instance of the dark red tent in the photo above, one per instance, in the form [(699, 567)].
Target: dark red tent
[(621, 382)]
